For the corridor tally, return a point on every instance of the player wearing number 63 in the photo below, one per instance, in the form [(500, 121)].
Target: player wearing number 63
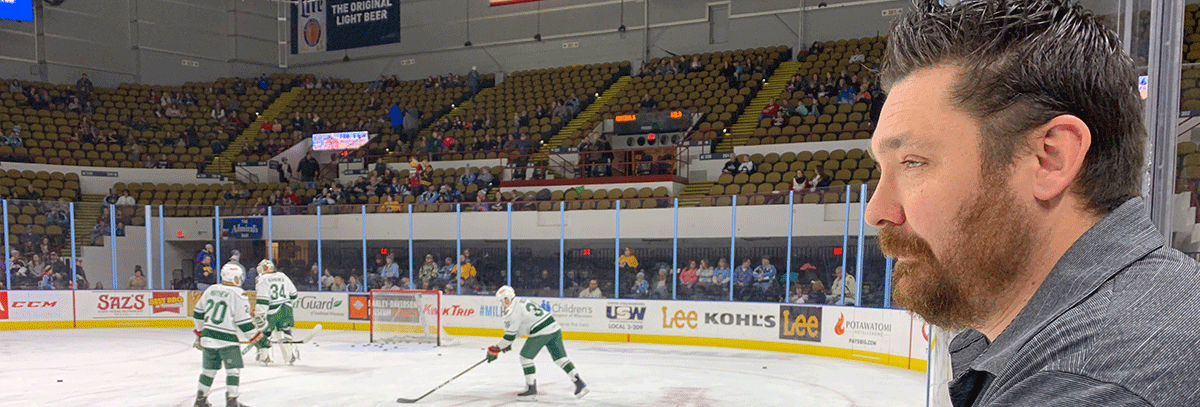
[(524, 317), (221, 317), (273, 310)]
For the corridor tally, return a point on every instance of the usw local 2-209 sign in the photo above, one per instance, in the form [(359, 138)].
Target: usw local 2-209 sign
[(331, 25)]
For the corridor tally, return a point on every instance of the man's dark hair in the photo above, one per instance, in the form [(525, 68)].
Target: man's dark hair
[(1022, 63)]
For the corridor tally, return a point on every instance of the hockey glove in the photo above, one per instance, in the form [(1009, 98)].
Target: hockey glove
[(197, 343), (260, 321), (492, 353)]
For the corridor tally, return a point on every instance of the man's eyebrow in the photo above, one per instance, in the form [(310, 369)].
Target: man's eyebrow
[(894, 142)]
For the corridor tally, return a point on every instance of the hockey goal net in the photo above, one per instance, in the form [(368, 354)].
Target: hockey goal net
[(399, 316)]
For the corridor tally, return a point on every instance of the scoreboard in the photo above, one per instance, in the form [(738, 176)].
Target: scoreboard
[(651, 122)]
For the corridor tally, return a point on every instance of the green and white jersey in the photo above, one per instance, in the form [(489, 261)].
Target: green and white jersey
[(221, 316), (527, 318), (274, 290)]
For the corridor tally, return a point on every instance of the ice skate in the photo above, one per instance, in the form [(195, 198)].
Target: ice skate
[(201, 401), (233, 402), (530, 393), (264, 355), (580, 388)]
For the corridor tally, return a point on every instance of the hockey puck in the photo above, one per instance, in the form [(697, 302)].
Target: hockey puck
[(764, 367), (60, 380)]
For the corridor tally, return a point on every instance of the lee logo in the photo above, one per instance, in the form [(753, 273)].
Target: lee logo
[(680, 319), (800, 323)]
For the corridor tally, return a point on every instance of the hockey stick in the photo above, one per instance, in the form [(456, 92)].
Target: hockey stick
[(313, 333), (410, 401)]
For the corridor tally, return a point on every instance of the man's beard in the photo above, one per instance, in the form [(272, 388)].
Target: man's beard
[(989, 245)]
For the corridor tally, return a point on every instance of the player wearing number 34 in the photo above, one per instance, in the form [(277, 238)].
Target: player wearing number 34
[(524, 317), (273, 311), (222, 317)]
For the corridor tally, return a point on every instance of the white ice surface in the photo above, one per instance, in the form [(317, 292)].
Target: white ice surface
[(158, 367)]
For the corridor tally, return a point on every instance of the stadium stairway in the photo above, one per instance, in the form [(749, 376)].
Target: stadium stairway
[(690, 197), (85, 218), (584, 117), (748, 121), (223, 164)]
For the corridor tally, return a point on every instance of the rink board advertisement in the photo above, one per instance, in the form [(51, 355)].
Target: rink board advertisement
[(36, 306), (137, 305), (884, 336)]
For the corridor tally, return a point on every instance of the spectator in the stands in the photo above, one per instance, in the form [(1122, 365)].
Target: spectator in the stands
[(857, 57), (842, 288), (112, 197), (747, 166), (232, 105), (126, 199), (593, 290), (204, 274), (264, 83), (704, 277), (339, 284), (481, 202), (743, 277), (689, 275), (473, 80), (770, 110), (764, 275), (405, 284), (15, 87), (641, 287), (308, 168), (731, 166), (84, 87), (695, 65), (327, 279), (822, 178), (817, 295), (138, 280), (627, 261), (390, 205), (162, 162), (800, 182), (648, 102), (721, 275), (661, 287), (428, 272)]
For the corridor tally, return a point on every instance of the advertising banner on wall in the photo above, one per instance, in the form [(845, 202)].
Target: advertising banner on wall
[(331, 25), (242, 228), (100, 305), (321, 306), (35, 306)]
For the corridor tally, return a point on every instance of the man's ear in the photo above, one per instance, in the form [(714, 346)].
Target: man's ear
[(1060, 147)]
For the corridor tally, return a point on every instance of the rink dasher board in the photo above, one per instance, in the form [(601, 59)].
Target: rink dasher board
[(883, 336)]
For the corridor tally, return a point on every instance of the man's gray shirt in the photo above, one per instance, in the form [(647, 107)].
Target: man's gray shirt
[(1114, 324)]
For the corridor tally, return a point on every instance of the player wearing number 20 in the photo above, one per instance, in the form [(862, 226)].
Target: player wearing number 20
[(276, 293), (221, 317), (524, 317)]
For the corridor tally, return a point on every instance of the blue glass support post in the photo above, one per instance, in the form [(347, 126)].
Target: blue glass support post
[(509, 274), (732, 241), (149, 248), (217, 241), (458, 247), (562, 244), (410, 245), (887, 282), (617, 252), (112, 244), (162, 248), (845, 245), (363, 220), (74, 268), (8, 246), (791, 217), (675, 251), (858, 272), (271, 236), (320, 265)]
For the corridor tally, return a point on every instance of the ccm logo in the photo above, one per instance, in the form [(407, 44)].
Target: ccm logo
[(34, 304)]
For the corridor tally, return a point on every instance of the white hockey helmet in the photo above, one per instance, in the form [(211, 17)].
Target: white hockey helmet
[(506, 295), (232, 273), (266, 266)]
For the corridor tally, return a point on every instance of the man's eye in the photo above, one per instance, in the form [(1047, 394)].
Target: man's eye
[(912, 163)]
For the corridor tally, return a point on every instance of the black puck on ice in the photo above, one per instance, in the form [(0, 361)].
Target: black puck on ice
[(60, 380)]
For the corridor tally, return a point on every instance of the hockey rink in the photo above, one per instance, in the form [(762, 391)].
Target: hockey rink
[(158, 367)]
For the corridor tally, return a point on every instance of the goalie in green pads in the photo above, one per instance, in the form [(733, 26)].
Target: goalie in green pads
[(524, 317), (273, 306)]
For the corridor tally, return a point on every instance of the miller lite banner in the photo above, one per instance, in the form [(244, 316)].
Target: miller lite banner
[(331, 25)]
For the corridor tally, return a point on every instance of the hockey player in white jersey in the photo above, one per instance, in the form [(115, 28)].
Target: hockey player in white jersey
[(524, 317), (222, 317), (274, 300)]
